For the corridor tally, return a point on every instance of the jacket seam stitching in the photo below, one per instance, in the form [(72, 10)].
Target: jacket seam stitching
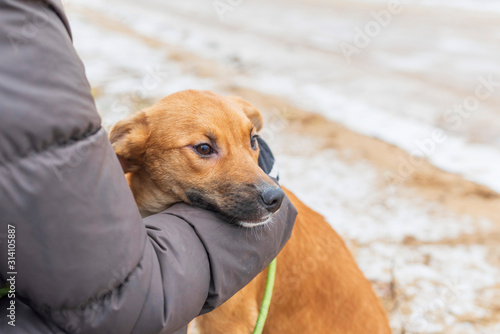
[(51, 148)]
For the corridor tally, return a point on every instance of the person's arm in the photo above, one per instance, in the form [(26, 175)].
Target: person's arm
[(85, 261)]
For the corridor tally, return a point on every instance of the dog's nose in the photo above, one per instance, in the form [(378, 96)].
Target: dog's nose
[(272, 198)]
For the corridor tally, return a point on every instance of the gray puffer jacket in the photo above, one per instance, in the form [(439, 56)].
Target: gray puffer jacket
[(72, 242)]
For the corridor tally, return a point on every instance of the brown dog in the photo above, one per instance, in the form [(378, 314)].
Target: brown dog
[(200, 148)]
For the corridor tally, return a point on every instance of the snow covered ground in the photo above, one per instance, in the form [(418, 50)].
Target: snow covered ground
[(416, 72), (435, 270)]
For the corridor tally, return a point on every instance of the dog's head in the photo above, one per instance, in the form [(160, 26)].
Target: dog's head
[(199, 148)]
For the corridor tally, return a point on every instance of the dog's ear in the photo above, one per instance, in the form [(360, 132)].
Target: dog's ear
[(252, 113), (128, 138)]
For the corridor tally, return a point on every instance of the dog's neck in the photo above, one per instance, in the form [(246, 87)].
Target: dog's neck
[(149, 198)]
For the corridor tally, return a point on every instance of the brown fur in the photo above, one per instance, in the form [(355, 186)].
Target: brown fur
[(319, 288)]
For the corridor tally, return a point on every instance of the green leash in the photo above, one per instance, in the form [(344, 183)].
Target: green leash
[(266, 301), (4, 290)]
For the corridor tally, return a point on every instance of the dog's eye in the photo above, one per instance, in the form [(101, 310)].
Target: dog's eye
[(253, 141), (204, 149)]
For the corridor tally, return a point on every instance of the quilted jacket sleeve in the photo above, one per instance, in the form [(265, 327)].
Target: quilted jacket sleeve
[(84, 260)]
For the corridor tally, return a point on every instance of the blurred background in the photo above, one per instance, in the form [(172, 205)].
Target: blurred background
[(384, 116)]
